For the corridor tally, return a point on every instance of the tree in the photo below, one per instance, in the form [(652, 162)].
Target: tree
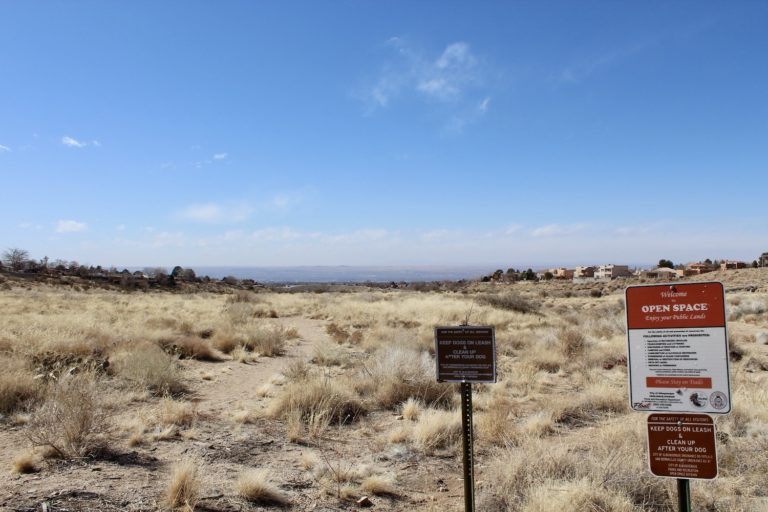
[(15, 258), (755, 264), (548, 275), (666, 264)]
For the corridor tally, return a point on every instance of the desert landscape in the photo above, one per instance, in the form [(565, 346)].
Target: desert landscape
[(311, 399)]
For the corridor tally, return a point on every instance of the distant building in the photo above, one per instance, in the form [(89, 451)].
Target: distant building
[(562, 273), (732, 265), (763, 261), (582, 272), (700, 267), (612, 271), (660, 273)]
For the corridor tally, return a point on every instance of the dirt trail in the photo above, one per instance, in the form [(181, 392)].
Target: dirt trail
[(234, 384)]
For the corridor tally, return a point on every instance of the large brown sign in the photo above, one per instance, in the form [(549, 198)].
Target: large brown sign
[(465, 354), (682, 445)]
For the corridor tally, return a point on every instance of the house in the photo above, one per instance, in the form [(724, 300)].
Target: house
[(580, 272), (700, 267), (562, 273), (612, 271), (660, 273), (763, 261), (732, 265)]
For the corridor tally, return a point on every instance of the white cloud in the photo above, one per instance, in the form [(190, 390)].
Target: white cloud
[(220, 156), (213, 213), (96, 143), (70, 226), (483, 107), (4, 149), (557, 230), (72, 143)]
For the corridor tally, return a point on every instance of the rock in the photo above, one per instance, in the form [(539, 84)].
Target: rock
[(364, 502), (762, 338)]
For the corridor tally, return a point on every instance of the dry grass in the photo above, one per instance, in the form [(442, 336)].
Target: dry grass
[(25, 463), (437, 429), (173, 412), (255, 486), (183, 491), (379, 485), (18, 387)]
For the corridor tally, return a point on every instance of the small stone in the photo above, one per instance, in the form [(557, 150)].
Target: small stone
[(364, 502)]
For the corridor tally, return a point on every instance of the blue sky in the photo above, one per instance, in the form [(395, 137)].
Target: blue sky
[(383, 133)]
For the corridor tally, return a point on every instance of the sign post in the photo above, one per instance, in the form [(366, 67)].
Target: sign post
[(678, 363), (466, 354)]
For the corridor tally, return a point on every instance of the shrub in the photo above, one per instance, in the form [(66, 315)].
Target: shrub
[(509, 302), (71, 421)]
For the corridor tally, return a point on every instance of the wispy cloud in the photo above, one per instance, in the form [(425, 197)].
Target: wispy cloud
[(4, 149), (445, 78), (220, 156), (72, 143), (70, 226), (557, 230), (214, 213)]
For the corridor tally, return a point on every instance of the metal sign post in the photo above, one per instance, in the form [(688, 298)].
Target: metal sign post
[(466, 354), (467, 444), (684, 494)]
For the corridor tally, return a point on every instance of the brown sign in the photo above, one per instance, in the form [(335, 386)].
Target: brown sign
[(682, 445), (465, 354)]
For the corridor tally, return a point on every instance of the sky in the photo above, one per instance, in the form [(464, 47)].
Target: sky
[(383, 133)]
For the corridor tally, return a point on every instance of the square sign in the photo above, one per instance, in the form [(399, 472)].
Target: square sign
[(678, 348), (465, 354), (682, 446)]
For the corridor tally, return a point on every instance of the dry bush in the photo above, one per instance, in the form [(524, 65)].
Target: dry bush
[(394, 375), (509, 302), (147, 366), (242, 355), (495, 425), (183, 490), (225, 340), (338, 334), (437, 429), (191, 347), (72, 420), (297, 370), (571, 342), (316, 399), (254, 485), (595, 402), (18, 387)]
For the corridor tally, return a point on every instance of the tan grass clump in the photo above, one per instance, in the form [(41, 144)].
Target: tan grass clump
[(437, 429), (25, 463), (266, 340), (317, 399), (575, 496), (379, 485), (191, 347), (411, 409), (254, 485), (173, 412), (72, 421), (148, 367), (183, 490)]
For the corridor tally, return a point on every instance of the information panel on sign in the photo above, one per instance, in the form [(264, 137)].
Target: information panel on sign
[(682, 446), (465, 354), (678, 348)]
